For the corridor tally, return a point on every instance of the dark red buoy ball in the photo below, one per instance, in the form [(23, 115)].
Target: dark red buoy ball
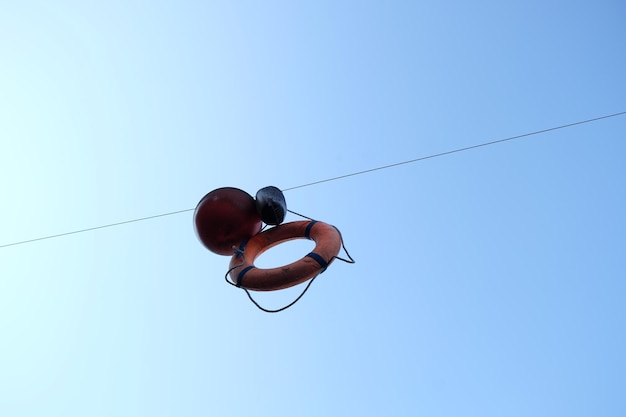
[(224, 218)]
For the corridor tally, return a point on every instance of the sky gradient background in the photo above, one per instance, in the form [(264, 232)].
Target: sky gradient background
[(487, 283)]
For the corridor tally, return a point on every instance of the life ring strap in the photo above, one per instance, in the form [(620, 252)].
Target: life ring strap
[(319, 260), (307, 231), (242, 273)]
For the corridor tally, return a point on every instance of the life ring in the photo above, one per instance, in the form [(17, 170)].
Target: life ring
[(327, 246)]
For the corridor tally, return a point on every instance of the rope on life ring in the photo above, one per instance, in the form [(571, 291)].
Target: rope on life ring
[(244, 274)]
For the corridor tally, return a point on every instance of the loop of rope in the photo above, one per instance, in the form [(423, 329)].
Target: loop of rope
[(351, 261), (285, 307)]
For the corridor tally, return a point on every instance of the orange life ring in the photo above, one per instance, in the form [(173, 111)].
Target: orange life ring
[(327, 246)]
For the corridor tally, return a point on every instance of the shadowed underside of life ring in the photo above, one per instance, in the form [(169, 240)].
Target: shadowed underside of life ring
[(327, 246)]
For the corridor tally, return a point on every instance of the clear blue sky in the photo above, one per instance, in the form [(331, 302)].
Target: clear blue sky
[(488, 283)]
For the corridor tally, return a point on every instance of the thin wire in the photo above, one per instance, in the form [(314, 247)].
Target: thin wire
[(467, 148), (95, 228)]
